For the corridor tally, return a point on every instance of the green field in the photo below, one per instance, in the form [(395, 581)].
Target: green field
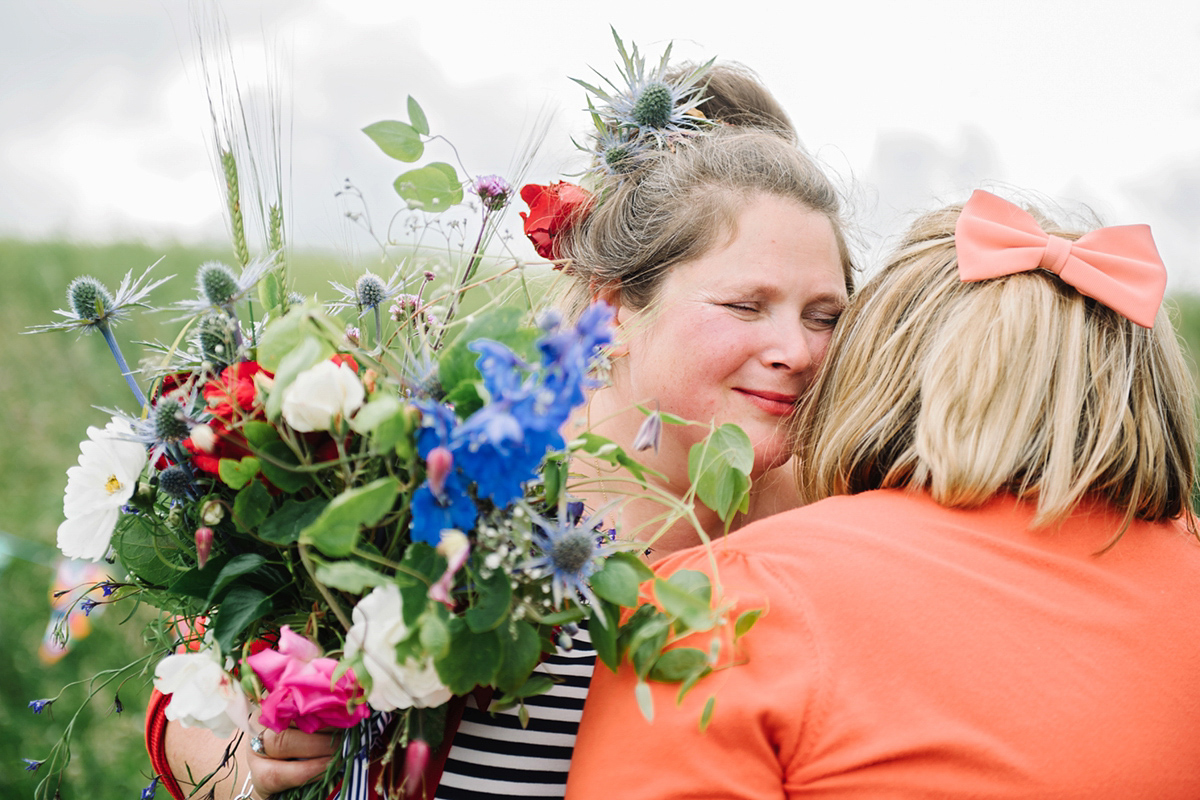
[(50, 385)]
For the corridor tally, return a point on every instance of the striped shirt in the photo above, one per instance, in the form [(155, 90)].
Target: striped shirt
[(494, 757)]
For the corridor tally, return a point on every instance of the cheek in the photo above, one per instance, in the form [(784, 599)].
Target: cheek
[(819, 347)]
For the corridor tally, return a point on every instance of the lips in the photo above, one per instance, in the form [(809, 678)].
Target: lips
[(777, 403)]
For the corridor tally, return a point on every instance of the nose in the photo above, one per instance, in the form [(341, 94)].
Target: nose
[(793, 348)]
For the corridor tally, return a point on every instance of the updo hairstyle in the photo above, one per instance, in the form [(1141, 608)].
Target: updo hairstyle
[(682, 201)]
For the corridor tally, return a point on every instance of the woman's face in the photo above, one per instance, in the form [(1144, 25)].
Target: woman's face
[(737, 334)]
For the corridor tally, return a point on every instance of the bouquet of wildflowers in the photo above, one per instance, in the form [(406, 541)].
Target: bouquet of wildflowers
[(350, 513)]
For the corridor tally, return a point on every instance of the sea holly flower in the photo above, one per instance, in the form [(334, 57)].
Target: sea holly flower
[(647, 104), (202, 693), (322, 394), (378, 627), (97, 488), (370, 292), (219, 288), (91, 307), (571, 553), (301, 690)]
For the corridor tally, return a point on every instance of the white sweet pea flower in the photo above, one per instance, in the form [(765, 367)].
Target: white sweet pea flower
[(378, 627), (319, 394), (202, 693), (104, 480)]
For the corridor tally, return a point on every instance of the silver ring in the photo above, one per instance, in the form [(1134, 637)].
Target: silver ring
[(256, 744)]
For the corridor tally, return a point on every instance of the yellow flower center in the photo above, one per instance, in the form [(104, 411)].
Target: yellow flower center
[(112, 485)]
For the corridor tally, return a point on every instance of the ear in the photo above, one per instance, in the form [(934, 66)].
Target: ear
[(611, 295)]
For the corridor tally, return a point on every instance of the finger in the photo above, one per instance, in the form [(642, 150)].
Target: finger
[(294, 743), (270, 775)]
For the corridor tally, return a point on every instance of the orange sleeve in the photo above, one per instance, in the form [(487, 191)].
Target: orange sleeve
[(750, 745)]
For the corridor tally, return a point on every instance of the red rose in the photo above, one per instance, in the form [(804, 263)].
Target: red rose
[(552, 209), (233, 393)]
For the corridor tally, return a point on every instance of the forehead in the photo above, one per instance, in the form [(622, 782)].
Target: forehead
[(776, 241)]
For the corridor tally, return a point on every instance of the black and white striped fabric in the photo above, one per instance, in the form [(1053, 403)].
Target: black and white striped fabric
[(494, 757)]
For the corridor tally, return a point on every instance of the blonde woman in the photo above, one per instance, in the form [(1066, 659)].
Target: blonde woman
[(995, 592)]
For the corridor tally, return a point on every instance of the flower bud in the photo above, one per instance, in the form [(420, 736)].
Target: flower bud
[(212, 512), (370, 380), (217, 283), (204, 437), (416, 758), (89, 298), (650, 433), (438, 464), (204, 540)]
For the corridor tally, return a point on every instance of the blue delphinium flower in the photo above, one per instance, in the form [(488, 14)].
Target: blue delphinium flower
[(432, 514), (31, 765), (148, 792), (87, 606), (38, 706)]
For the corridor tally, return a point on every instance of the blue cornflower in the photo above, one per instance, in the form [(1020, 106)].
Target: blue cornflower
[(148, 792), (32, 765), (38, 706), (432, 514)]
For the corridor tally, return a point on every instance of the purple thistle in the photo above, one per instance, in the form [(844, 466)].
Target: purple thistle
[(39, 706), (493, 191)]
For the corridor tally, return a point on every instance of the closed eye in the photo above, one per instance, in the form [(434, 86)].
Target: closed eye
[(745, 308)]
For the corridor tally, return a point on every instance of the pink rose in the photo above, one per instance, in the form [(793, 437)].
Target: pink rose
[(300, 687)]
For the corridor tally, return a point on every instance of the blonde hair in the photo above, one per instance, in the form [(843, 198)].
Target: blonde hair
[(1018, 384), (683, 202)]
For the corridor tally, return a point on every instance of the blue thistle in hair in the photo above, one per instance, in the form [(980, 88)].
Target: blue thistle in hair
[(649, 107)]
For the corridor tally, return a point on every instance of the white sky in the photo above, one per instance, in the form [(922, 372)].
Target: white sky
[(104, 129)]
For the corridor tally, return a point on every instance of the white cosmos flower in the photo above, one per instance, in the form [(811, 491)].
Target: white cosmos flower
[(104, 480), (202, 693), (378, 627), (319, 394)]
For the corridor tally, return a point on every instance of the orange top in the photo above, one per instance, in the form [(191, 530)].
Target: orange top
[(914, 651)]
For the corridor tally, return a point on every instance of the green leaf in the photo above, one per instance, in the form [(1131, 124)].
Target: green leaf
[(276, 454), (677, 665), (308, 353), (645, 700), (745, 622), (433, 187), (374, 413), (235, 568), (694, 582), (554, 478), (235, 474), (242, 606), (283, 334), (251, 506), (719, 467), (270, 291), (537, 684), (335, 531), (572, 614), (687, 604), (284, 526), (472, 659), (644, 573), (397, 139), (349, 576), (420, 567), (706, 714), (417, 115), (604, 635), (617, 581), (520, 652), (492, 603), (647, 642), (149, 552), (258, 433), (607, 450), (434, 635)]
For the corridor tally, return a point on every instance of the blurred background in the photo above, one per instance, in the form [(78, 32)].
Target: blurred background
[(107, 165)]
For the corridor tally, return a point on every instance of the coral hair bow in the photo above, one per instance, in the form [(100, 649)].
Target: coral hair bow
[(1119, 266)]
